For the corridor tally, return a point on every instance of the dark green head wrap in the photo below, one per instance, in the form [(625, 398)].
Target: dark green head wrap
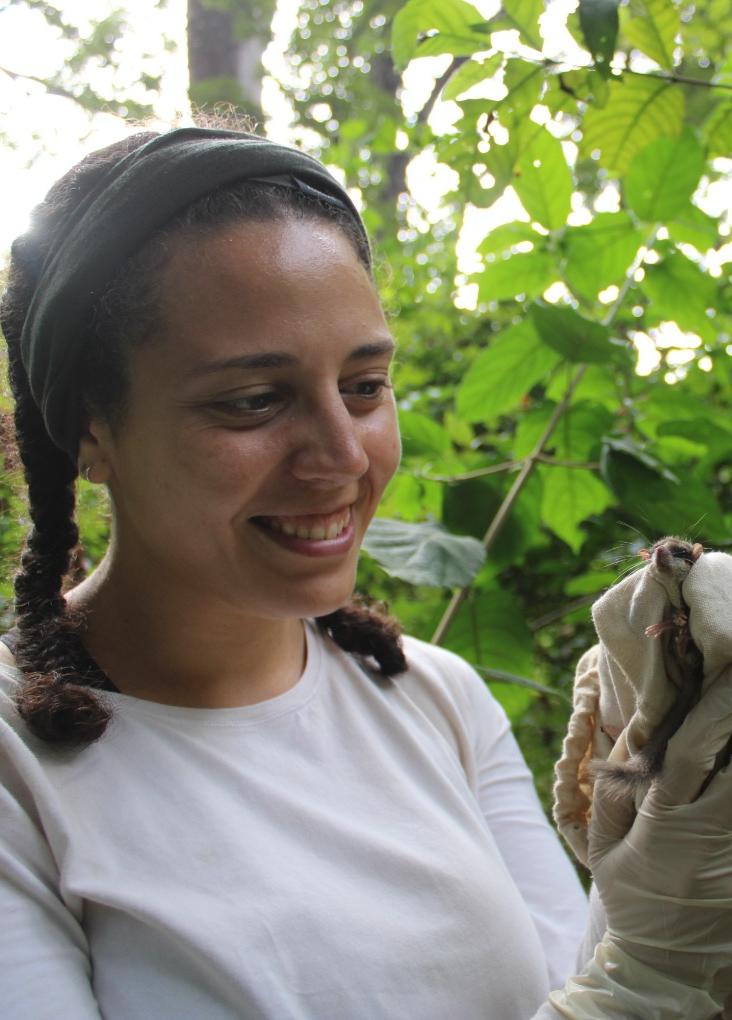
[(135, 198)]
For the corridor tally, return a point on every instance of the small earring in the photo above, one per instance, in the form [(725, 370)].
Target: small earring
[(86, 472)]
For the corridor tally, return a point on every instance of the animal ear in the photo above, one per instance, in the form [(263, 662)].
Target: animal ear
[(696, 550), (644, 554)]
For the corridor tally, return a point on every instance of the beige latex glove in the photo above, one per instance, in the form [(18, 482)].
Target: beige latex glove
[(665, 879)]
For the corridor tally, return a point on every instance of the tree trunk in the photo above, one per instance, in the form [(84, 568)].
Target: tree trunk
[(225, 63)]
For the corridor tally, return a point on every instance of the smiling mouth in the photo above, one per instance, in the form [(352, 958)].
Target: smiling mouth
[(312, 527)]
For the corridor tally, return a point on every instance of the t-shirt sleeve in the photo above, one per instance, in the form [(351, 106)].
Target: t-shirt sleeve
[(528, 844), (46, 971)]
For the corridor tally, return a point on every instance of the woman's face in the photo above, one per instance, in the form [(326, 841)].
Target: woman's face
[(261, 429)]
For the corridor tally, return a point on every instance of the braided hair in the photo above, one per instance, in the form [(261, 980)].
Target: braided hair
[(56, 697)]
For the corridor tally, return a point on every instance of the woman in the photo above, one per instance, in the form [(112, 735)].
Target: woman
[(228, 791)]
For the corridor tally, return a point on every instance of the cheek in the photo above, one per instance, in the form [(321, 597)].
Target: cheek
[(385, 448)]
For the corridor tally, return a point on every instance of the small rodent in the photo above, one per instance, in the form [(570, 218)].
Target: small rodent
[(671, 559)]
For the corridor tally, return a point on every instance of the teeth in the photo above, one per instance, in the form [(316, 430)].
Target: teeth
[(316, 533)]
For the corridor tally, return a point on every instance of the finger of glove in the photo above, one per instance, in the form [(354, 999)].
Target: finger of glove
[(692, 751), (612, 818), (713, 805)]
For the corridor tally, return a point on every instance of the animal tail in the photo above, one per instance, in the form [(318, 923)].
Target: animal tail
[(622, 780)]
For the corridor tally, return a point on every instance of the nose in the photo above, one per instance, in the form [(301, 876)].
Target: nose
[(328, 444)]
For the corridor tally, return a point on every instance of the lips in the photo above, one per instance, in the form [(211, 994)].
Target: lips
[(312, 527)]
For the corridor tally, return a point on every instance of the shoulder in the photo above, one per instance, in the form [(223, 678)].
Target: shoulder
[(10, 677), (6, 656), (449, 692), (438, 668)]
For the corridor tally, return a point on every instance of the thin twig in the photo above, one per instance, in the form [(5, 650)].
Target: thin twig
[(678, 79), (51, 89), (499, 676), (466, 476), (506, 465), (562, 611), (507, 505)]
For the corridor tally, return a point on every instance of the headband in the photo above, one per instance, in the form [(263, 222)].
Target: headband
[(134, 198)]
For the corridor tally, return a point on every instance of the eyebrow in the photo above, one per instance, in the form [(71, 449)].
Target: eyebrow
[(280, 359)]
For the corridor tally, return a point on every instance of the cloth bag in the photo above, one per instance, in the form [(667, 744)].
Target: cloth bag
[(622, 690)]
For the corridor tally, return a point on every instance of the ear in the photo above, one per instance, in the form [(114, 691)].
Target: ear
[(93, 460)]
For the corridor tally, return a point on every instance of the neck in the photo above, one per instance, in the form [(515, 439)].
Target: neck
[(165, 646)]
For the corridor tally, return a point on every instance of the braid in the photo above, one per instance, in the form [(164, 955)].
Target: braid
[(366, 630), (55, 698)]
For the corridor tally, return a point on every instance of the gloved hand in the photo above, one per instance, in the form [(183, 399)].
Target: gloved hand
[(665, 879)]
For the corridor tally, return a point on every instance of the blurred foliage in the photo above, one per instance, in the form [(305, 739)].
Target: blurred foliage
[(603, 302), (92, 69)]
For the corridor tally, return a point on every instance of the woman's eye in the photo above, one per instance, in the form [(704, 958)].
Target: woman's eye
[(370, 389), (251, 404)]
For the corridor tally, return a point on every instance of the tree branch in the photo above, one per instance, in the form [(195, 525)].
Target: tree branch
[(678, 79), (51, 88), (424, 113)]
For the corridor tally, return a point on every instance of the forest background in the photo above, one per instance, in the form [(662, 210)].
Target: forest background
[(549, 192)]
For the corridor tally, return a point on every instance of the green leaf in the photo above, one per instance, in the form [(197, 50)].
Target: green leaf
[(411, 499), (661, 506), (652, 26), (417, 22), (469, 506), (543, 182), (423, 553), (577, 339), (599, 24), (678, 290), (692, 226), (524, 81), (500, 676), (471, 73), (499, 161), (594, 581), (640, 109), (421, 435), (528, 274), (600, 253), (503, 240), (717, 129), (570, 496), (624, 446), (349, 130), (504, 373), (581, 429), (663, 176), (445, 42), (490, 628), (522, 15), (583, 84)]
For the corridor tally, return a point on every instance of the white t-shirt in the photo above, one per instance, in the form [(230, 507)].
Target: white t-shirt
[(353, 849)]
